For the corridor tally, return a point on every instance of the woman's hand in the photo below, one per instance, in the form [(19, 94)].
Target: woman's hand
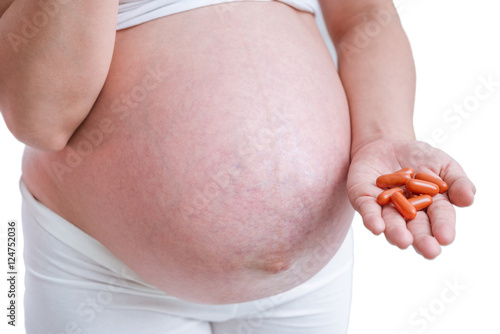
[(430, 229)]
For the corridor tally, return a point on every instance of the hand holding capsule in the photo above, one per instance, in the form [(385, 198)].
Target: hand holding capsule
[(429, 230)]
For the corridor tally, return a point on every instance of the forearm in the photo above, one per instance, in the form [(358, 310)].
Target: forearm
[(378, 73), (54, 60)]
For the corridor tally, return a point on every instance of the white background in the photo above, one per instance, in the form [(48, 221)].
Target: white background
[(455, 43)]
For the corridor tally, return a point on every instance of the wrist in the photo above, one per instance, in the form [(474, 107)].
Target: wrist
[(363, 138)]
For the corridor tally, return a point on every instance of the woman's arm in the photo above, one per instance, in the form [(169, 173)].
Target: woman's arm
[(54, 59), (377, 70), (376, 66)]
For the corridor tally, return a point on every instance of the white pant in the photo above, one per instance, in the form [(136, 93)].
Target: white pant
[(75, 285)]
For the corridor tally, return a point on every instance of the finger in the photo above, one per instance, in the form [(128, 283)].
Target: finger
[(396, 231), (423, 240), (442, 216), (461, 190), (370, 212)]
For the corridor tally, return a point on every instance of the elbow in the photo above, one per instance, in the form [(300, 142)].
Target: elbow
[(52, 142), (51, 139), (45, 118), (44, 133)]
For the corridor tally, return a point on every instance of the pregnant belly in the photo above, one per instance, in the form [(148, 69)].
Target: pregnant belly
[(214, 161)]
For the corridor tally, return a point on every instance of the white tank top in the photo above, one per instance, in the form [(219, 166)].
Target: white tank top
[(134, 12)]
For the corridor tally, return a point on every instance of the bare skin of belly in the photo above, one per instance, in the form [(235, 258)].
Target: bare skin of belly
[(214, 162)]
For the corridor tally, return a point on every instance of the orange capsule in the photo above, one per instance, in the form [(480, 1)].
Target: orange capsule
[(392, 180), (422, 187), (436, 180), (404, 207), (407, 170), (420, 202), (385, 196)]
